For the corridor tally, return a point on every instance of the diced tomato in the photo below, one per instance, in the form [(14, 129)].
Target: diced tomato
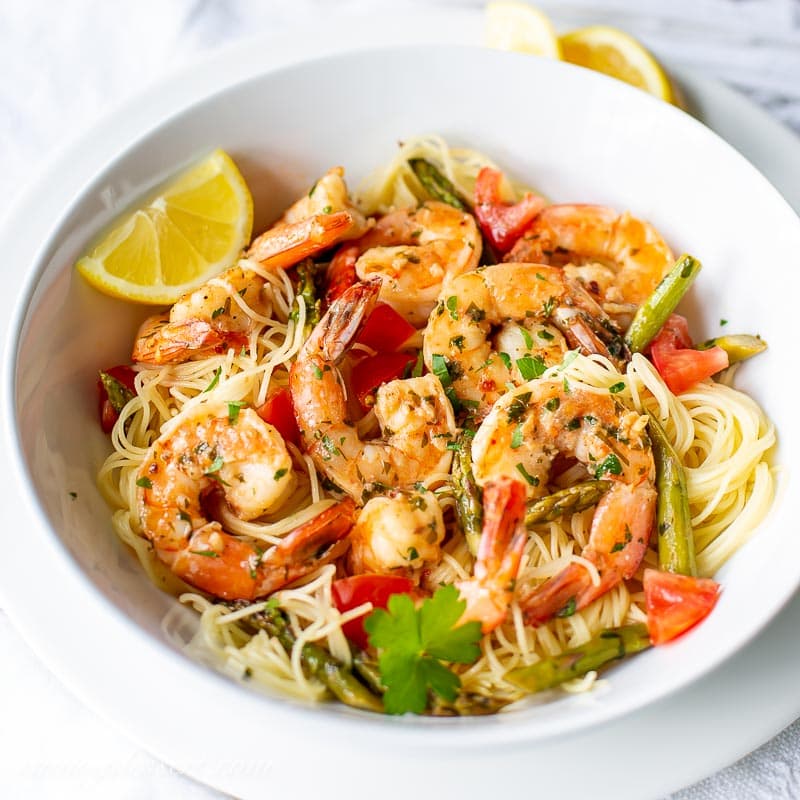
[(502, 223), (376, 589), (676, 603), (385, 330), (279, 412), (372, 371), (108, 415), (679, 365)]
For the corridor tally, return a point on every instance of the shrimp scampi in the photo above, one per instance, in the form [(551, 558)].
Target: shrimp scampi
[(414, 414), (414, 252), (522, 436), (528, 306), (247, 462)]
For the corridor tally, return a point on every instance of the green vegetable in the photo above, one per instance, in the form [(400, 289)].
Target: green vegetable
[(469, 508), (316, 660), (673, 519), (118, 393), (436, 184), (306, 289), (413, 643), (739, 346), (653, 313), (567, 501), (609, 646)]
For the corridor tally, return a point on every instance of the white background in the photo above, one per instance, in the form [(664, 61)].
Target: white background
[(62, 65)]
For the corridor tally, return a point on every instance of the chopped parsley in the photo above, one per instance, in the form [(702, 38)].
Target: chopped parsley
[(530, 367), (518, 406), (216, 465), (145, 483), (723, 322), (527, 338), (280, 473), (552, 404), (516, 437), (545, 334), (617, 387), (569, 609), (608, 466), (214, 380), (452, 305), (506, 359), (234, 407), (532, 480)]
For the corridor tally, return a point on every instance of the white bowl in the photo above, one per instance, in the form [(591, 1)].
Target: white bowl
[(578, 136)]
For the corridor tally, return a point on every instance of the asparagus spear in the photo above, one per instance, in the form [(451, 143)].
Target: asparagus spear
[(653, 313), (469, 508), (441, 188), (437, 185), (308, 291), (318, 661), (739, 346), (567, 501), (675, 536), (608, 646), (118, 393)]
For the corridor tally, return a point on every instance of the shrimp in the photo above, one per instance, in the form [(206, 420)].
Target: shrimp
[(522, 435), (223, 311), (618, 258), (414, 251), (490, 590), (397, 532), (415, 416), (327, 196), (247, 462), (482, 312)]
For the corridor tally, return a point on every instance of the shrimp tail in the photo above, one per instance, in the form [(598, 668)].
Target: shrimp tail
[(308, 547), (342, 272), (285, 245), (160, 341), (488, 593)]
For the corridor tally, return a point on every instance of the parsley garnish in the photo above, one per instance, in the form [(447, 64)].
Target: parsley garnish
[(413, 643), (317, 373), (280, 473), (526, 335), (516, 437), (723, 322), (546, 335), (531, 479), (216, 465), (452, 305), (327, 209), (214, 380), (518, 406), (145, 483), (530, 367), (609, 465), (234, 406), (506, 359), (617, 387), (569, 609), (552, 404)]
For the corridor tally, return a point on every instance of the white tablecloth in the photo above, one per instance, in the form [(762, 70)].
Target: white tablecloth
[(63, 64)]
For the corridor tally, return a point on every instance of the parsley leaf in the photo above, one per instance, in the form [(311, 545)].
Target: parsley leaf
[(413, 643)]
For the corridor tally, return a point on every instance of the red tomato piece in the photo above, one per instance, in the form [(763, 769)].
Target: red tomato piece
[(385, 330), (676, 603), (502, 223), (108, 416), (679, 365), (278, 411), (376, 589), (372, 371)]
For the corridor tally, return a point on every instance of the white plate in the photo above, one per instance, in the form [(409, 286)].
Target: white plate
[(63, 646)]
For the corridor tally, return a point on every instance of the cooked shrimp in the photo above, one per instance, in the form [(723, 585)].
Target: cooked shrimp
[(414, 251), (246, 460), (328, 195), (399, 531), (415, 416), (223, 311), (481, 312), (490, 591), (618, 258), (524, 432)]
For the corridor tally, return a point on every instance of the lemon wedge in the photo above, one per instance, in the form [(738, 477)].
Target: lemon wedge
[(194, 228), (615, 53), (521, 28)]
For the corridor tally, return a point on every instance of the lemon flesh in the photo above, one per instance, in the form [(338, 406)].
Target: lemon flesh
[(194, 228), (615, 53), (521, 28)]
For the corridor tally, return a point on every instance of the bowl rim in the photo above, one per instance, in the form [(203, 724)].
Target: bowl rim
[(472, 732)]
